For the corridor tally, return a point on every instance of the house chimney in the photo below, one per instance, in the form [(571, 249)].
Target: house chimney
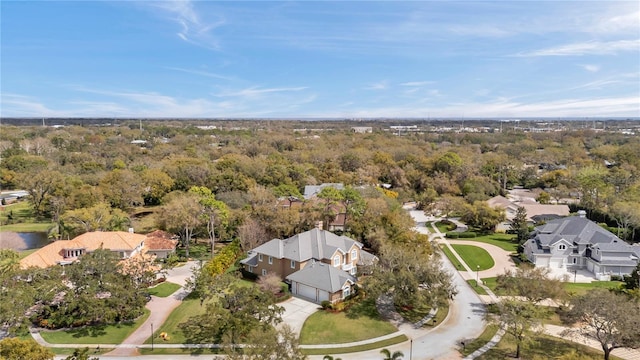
[(319, 225), (582, 213), (130, 230)]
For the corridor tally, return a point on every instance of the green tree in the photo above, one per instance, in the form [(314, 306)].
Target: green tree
[(410, 277), (396, 355), (519, 225), (100, 217), (613, 320), (123, 189), (213, 211), (518, 319), (268, 344), (156, 185), (532, 283), (331, 197), (482, 216), (17, 349), (41, 185), (238, 310), (182, 214)]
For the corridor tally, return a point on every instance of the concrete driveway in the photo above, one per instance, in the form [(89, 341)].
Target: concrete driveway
[(296, 312)]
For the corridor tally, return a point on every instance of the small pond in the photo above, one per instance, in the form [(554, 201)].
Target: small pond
[(22, 241)]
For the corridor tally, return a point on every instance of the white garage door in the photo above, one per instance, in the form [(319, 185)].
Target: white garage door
[(323, 295), (542, 261), (306, 291), (555, 263)]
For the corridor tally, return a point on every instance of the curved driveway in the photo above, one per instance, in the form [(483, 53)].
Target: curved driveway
[(500, 256)]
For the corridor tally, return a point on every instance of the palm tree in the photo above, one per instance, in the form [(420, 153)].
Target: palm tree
[(398, 355), (329, 357)]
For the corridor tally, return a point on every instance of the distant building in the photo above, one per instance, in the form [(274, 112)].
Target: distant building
[(362, 129), (311, 191)]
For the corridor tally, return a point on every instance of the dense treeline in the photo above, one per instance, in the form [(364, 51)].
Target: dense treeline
[(93, 177)]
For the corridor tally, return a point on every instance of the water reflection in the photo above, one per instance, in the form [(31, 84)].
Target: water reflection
[(22, 241)]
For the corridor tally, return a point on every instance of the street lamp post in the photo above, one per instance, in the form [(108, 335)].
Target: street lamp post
[(411, 350), (478, 275), (151, 336)]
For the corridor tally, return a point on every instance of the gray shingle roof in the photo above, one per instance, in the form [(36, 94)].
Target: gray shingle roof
[(574, 229), (322, 276), (313, 244), (313, 190)]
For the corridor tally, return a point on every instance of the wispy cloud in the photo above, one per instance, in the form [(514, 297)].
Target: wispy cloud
[(586, 48), (591, 67), (193, 29), (416, 83), (255, 91), (20, 105), (382, 85), (201, 73)]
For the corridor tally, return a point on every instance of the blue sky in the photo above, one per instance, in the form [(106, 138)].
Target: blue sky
[(353, 59)]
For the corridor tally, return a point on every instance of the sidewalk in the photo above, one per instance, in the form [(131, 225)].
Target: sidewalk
[(559, 331)]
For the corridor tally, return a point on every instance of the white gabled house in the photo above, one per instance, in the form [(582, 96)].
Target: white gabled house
[(576, 243)]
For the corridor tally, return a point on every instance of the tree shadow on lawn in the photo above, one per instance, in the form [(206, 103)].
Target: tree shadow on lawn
[(89, 331), (366, 307)]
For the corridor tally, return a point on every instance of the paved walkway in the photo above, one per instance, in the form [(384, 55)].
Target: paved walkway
[(560, 331), (296, 312)]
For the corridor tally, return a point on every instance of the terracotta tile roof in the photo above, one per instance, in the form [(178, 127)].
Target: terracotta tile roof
[(158, 243), (52, 254)]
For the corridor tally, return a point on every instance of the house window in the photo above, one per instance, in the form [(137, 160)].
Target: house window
[(336, 260), (562, 247), (346, 292), (259, 257), (354, 254), (270, 260), (353, 270), (575, 260), (264, 272), (293, 264)]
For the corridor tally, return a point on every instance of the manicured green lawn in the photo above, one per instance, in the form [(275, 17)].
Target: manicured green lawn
[(472, 345), (188, 308), (452, 258), (336, 328), (577, 288), (344, 350), (164, 289), (475, 257), (445, 227), (582, 288), (542, 347), (110, 334), (27, 227), (504, 241), (479, 290)]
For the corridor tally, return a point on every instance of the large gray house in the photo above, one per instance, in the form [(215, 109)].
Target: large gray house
[(575, 243)]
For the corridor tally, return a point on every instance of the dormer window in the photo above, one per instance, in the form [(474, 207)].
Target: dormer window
[(336, 260), (354, 254), (562, 247)]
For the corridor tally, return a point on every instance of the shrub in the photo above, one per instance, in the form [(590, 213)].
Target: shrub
[(270, 283), (467, 235), (326, 305), (224, 259), (453, 235)]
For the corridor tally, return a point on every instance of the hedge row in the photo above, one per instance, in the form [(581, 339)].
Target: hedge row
[(224, 259), (462, 235)]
